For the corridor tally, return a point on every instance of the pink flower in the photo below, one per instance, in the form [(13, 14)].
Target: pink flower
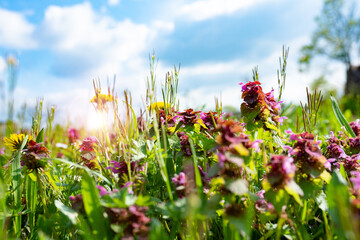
[(73, 134)]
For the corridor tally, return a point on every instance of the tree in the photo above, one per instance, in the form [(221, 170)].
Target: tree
[(337, 37)]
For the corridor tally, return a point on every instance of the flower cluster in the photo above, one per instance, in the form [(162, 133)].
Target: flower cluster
[(134, 219), (258, 107), (180, 181), (34, 155), (188, 117), (307, 154), (355, 126), (121, 167), (208, 120), (233, 146), (282, 171), (73, 135), (184, 143), (344, 152), (88, 153), (100, 100)]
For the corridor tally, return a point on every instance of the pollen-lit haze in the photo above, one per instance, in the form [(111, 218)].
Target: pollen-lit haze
[(61, 47)]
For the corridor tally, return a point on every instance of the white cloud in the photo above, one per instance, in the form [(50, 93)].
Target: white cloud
[(3, 66), (98, 42), (213, 79), (113, 2), (16, 31), (88, 44), (206, 9)]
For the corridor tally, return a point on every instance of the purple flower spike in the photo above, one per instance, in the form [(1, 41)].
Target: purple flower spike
[(103, 190)]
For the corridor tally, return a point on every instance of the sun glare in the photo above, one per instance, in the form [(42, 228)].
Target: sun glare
[(95, 121)]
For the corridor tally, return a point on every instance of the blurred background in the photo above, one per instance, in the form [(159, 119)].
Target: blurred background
[(53, 50)]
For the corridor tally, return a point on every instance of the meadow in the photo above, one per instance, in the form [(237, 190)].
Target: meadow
[(274, 171)]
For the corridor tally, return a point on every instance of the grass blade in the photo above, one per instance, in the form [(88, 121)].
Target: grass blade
[(31, 201), (92, 206), (71, 214), (16, 174), (340, 117), (85, 168)]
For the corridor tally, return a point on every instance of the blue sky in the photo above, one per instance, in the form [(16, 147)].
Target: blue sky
[(64, 45)]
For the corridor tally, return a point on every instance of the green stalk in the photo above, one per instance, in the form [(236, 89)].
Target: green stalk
[(161, 162), (31, 201), (16, 174), (42, 193), (326, 223)]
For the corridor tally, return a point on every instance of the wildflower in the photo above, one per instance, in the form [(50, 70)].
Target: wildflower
[(355, 180), (73, 135), (208, 120), (15, 140), (353, 145), (188, 117), (34, 155), (88, 144), (133, 220), (2, 151), (87, 152), (158, 105), (258, 107), (184, 143), (352, 163), (179, 179), (101, 100), (355, 126), (121, 167), (307, 154), (282, 171), (77, 203), (169, 120)]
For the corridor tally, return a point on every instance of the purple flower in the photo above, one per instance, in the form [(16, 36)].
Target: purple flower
[(121, 167), (307, 154), (73, 134), (103, 190), (355, 126), (355, 180), (282, 170), (255, 144), (260, 194), (179, 179), (2, 151)]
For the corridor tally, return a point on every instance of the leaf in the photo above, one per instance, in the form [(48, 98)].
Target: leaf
[(243, 151), (239, 187), (321, 201), (278, 199), (294, 190), (340, 211), (85, 168), (92, 207), (68, 212), (40, 136), (31, 200), (340, 117)]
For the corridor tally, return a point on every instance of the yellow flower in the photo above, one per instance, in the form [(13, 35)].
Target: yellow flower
[(102, 98), (158, 105), (14, 141)]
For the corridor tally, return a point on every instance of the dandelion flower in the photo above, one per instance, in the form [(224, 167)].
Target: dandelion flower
[(158, 105), (101, 99), (14, 141)]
